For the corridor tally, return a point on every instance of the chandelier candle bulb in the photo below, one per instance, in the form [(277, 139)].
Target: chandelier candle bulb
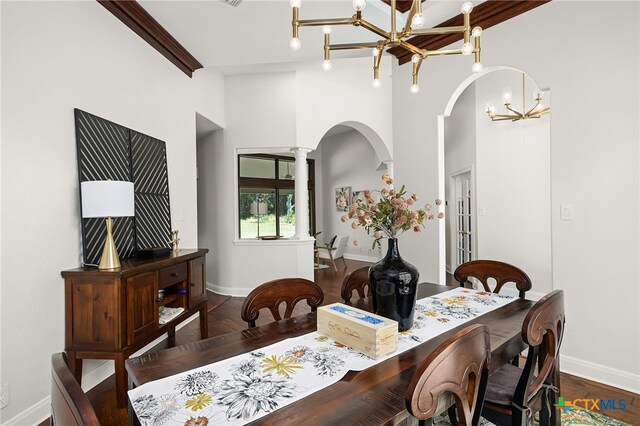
[(417, 21), (467, 8), (359, 5), (295, 44), (295, 3), (326, 65), (376, 83), (414, 88)]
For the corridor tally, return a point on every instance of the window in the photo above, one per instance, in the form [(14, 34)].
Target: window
[(266, 185)]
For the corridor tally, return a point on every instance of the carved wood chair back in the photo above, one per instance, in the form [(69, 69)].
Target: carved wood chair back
[(357, 280), (502, 273), (516, 394), (542, 330), (458, 367), (272, 294), (69, 404)]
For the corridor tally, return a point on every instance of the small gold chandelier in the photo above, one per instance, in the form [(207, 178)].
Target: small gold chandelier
[(537, 111), (393, 38)]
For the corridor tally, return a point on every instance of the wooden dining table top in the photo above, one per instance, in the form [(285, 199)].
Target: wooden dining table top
[(370, 397)]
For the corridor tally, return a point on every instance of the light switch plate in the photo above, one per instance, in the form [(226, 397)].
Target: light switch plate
[(567, 212)]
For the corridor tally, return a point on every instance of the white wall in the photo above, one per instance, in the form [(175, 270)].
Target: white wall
[(273, 112), (55, 57), (594, 165), (344, 94), (347, 160), (459, 154), (513, 180), (260, 117), (208, 149)]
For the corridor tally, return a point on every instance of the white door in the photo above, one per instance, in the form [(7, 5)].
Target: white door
[(464, 231)]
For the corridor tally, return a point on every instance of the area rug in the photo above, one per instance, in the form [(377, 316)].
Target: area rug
[(571, 417)]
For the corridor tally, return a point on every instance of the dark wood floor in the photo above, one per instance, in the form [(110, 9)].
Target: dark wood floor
[(224, 317)]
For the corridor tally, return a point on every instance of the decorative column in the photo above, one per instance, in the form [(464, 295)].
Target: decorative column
[(302, 194)]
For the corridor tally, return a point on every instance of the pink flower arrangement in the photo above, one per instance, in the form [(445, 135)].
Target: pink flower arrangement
[(391, 215)]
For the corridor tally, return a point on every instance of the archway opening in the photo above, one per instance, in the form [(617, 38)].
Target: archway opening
[(496, 177), (350, 158)]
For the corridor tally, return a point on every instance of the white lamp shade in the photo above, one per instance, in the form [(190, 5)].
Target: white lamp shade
[(107, 198), (258, 208)]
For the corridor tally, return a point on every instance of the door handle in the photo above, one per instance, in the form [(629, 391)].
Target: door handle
[(193, 284)]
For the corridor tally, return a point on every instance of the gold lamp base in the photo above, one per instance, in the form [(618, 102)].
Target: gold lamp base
[(109, 259)]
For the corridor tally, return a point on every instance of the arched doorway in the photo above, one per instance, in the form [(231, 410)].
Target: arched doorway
[(496, 177), (350, 158)]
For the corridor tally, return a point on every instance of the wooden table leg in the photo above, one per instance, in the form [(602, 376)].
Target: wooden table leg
[(131, 415), (121, 380), (204, 322)]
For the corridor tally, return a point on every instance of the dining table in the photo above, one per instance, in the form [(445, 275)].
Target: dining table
[(374, 396)]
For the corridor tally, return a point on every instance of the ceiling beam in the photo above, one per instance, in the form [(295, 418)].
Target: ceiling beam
[(485, 15), (133, 15), (402, 5)]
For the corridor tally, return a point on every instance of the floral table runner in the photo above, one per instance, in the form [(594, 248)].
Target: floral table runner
[(246, 387)]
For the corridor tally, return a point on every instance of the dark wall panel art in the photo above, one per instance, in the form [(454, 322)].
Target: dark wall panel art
[(107, 150)]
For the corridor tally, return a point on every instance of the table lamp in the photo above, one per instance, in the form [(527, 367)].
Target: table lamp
[(109, 199), (258, 209)]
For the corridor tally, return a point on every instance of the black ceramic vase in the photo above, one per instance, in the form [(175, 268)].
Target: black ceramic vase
[(394, 284)]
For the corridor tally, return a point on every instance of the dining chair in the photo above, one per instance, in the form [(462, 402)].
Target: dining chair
[(357, 280), (515, 394), (484, 270), (69, 404), (272, 294), (455, 372), (334, 250)]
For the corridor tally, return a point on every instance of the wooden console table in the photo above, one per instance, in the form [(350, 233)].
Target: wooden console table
[(112, 314)]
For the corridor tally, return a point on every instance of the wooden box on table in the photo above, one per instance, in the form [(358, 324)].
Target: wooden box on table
[(370, 334)]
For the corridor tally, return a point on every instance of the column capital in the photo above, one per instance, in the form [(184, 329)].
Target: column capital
[(301, 150)]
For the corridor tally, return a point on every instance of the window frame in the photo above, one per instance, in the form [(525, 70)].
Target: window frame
[(276, 184)]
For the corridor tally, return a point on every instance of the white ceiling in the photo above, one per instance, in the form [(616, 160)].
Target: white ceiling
[(257, 32)]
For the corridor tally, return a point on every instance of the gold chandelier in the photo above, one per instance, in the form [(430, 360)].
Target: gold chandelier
[(392, 38), (537, 111)]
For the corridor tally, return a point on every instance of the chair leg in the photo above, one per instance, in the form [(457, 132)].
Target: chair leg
[(344, 261), (335, 268)]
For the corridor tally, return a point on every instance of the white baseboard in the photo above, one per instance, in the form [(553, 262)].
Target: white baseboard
[(600, 373), (33, 415), (360, 257), (40, 411), (228, 291)]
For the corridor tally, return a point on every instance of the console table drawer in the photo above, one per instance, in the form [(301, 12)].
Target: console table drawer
[(172, 275)]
